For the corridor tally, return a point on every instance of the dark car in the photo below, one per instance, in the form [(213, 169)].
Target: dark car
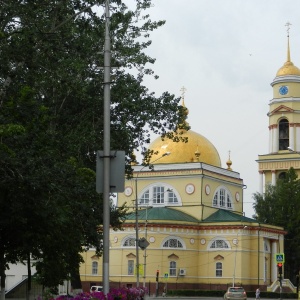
[(235, 293)]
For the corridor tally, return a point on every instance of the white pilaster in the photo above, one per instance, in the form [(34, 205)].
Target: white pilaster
[(273, 177), (273, 263), (270, 139), (275, 139), (291, 137), (297, 137), (261, 182)]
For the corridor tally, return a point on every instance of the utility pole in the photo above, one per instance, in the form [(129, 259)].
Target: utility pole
[(106, 152)]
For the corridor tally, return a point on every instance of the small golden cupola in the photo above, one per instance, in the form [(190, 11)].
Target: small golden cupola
[(196, 149), (229, 163)]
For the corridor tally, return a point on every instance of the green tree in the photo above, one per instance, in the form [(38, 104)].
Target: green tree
[(280, 205), (51, 116)]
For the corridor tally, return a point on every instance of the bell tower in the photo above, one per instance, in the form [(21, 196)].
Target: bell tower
[(284, 124)]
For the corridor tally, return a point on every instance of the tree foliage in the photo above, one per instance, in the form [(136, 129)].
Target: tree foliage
[(280, 205), (51, 123)]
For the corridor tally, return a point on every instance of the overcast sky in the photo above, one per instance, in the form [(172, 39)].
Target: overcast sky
[(225, 53)]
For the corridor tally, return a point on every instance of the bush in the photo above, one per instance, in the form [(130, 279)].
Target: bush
[(114, 294)]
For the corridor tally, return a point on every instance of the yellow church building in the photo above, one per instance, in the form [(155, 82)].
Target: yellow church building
[(186, 228)]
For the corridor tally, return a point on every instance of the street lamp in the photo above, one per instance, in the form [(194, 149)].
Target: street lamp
[(234, 268), (137, 221)]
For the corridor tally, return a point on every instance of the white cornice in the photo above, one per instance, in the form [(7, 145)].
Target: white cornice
[(285, 79), (188, 166), (283, 100)]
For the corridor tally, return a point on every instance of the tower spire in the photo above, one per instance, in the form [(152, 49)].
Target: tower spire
[(288, 67), (288, 24)]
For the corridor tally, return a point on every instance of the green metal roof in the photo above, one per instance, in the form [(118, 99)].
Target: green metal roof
[(162, 213), (222, 215), (174, 215)]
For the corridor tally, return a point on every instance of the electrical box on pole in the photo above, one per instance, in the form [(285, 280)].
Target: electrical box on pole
[(117, 171)]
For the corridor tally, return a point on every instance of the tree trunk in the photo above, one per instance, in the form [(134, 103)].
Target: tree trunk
[(28, 294), (2, 275), (75, 283)]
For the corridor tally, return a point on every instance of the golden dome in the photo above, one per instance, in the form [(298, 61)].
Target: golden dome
[(288, 68), (182, 152)]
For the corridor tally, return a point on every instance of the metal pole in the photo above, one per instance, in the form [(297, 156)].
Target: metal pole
[(145, 251), (137, 234), (106, 153), (233, 280), (234, 270), (258, 254)]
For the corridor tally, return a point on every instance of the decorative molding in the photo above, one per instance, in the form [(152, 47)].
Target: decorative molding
[(130, 255), (95, 257), (273, 126), (219, 257), (152, 239), (201, 229), (284, 79), (281, 109), (173, 256), (189, 188)]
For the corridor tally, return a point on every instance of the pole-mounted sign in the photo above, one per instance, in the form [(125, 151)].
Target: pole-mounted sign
[(279, 257)]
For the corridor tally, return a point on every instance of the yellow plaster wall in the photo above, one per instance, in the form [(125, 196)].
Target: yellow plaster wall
[(197, 259), (191, 203), (294, 90)]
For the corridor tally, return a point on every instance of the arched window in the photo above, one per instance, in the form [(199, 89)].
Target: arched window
[(95, 268), (282, 175), (173, 242), (219, 269), (283, 134), (159, 194), (129, 242), (222, 198), (219, 244)]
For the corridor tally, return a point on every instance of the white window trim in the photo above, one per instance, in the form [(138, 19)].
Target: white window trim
[(218, 262), (151, 197), (170, 238), (95, 267), (130, 273), (126, 238), (227, 192), (215, 239), (267, 246), (173, 261)]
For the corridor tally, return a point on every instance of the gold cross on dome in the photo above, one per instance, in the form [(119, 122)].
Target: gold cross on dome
[(183, 90), (288, 24)]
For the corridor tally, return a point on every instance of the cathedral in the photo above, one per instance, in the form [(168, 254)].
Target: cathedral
[(186, 228)]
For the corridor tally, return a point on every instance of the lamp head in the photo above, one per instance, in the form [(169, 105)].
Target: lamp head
[(166, 154)]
